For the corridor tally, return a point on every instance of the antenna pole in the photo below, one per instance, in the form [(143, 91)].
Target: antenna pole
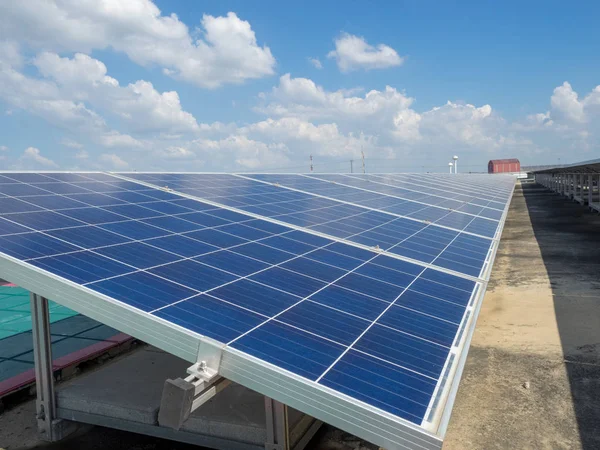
[(351, 166), (311, 164), (363, 161)]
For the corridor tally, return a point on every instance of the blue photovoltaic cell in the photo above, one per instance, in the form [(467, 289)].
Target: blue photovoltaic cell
[(142, 290), (399, 391), (193, 275), (369, 286), (376, 327), (314, 269), (7, 227), (292, 282), (135, 230), (420, 325), (12, 205), (232, 262), (82, 237), (350, 302), (297, 351), (326, 322), (82, 267), (173, 224), (182, 245), (404, 350), (256, 297), (33, 245), (211, 317), (138, 254)]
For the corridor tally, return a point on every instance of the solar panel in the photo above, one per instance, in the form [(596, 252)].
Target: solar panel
[(413, 237), (342, 309)]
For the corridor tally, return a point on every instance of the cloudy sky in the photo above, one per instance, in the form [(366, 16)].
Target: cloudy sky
[(253, 86)]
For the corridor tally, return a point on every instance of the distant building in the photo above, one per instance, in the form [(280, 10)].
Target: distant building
[(504, 165)]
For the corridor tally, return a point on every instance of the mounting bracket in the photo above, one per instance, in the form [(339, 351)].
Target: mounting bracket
[(181, 397)]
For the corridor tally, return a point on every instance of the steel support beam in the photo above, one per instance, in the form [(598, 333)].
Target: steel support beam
[(50, 428), (277, 425)]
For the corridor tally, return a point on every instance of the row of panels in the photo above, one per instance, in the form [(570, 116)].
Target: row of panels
[(248, 193), (112, 205), (461, 252), (313, 306), (477, 192)]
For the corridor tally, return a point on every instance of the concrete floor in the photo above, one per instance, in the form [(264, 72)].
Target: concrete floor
[(532, 378), (539, 324)]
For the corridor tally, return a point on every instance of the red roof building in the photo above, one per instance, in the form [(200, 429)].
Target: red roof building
[(504, 166)]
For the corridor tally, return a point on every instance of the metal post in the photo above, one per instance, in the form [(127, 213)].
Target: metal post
[(351, 166), (44, 376), (277, 425), (363, 161)]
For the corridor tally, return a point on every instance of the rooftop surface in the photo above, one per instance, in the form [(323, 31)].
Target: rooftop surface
[(533, 373), (539, 325)]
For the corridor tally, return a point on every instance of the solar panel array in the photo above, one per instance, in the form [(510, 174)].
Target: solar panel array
[(360, 284)]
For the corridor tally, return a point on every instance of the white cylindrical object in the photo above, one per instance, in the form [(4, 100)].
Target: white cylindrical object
[(450, 166), (455, 158)]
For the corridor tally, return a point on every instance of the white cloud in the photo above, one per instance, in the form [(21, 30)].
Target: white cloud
[(302, 97), (10, 54), (113, 161), (466, 124), (44, 99), (353, 53), (565, 102), (68, 142), (226, 52), (115, 139), (385, 124), (176, 152), (33, 158), (4, 148), (139, 104), (82, 155), (244, 152), (80, 70), (315, 62)]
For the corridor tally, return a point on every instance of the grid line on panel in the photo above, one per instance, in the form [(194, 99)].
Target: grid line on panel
[(408, 217), (208, 212), (293, 257), (372, 324), (324, 247), (344, 180), (436, 183), (397, 195), (455, 211), (150, 239), (273, 219), (316, 292), (473, 271)]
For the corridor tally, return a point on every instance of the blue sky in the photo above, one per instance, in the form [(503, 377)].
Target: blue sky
[(228, 86)]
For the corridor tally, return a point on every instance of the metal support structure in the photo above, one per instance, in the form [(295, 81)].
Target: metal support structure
[(581, 187), (50, 428), (277, 425), (42, 354), (181, 397), (363, 161)]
